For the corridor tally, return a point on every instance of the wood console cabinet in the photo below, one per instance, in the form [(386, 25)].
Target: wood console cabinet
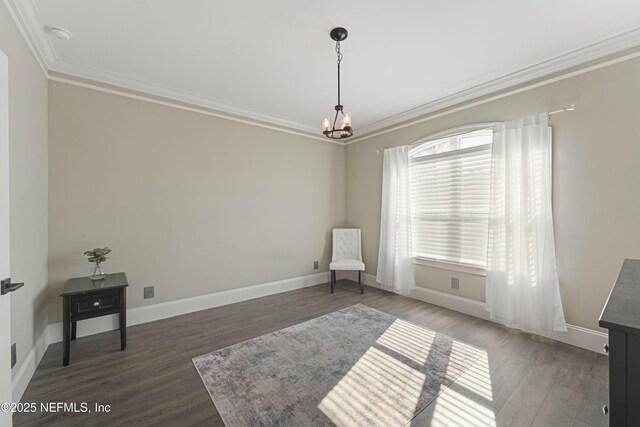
[(621, 316)]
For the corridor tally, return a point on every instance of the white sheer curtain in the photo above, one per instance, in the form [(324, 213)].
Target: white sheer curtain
[(395, 258), (522, 279)]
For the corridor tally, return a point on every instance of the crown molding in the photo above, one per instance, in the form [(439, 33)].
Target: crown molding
[(185, 107), (503, 94), (27, 18), (106, 77), (558, 64)]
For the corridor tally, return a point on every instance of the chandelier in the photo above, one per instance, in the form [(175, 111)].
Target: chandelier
[(345, 131)]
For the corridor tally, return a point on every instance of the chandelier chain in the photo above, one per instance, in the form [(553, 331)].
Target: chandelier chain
[(339, 61)]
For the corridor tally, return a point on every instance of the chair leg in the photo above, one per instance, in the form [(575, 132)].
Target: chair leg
[(333, 275), (360, 282)]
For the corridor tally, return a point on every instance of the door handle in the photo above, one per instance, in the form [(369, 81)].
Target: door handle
[(6, 286)]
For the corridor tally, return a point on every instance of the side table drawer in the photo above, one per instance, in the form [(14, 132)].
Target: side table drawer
[(96, 303)]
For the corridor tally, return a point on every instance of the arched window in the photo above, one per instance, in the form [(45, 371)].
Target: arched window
[(450, 175)]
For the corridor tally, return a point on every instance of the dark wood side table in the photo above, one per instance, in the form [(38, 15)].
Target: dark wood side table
[(84, 298)]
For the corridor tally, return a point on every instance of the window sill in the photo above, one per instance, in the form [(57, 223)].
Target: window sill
[(478, 271)]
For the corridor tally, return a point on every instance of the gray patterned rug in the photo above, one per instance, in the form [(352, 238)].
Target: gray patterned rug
[(354, 367)]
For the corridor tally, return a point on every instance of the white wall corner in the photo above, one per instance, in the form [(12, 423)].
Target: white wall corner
[(29, 365)]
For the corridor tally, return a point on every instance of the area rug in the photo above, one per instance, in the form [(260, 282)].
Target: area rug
[(354, 367)]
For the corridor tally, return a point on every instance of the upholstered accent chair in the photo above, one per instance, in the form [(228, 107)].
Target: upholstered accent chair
[(347, 254)]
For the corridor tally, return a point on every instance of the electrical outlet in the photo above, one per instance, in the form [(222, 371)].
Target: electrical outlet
[(455, 283), (315, 265), (14, 355), (149, 292)]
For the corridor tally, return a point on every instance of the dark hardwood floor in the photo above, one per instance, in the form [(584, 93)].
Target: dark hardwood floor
[(524, 380)]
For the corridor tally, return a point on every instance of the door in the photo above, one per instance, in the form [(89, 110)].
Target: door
[(5, 300)]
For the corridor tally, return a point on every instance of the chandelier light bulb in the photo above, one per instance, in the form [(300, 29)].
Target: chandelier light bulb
[(326, 126), (346, 121)]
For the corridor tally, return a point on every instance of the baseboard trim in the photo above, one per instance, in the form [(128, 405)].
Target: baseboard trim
[(150, 313), (452, 302), (582, 337), (29, 365), (578, 336)]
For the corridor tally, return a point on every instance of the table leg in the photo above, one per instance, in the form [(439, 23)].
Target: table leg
[(123, 319), (74, 329), (66, 326)]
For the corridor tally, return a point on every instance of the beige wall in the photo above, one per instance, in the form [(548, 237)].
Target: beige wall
[(28, 182), (194, 204), (189, 203), (596, 188)]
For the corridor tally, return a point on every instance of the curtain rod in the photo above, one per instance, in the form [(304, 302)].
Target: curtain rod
[(570, 107)]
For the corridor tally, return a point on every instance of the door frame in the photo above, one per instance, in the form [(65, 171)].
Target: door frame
[(5, 261)]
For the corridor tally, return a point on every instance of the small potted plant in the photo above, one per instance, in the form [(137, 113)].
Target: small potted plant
[(98, 256)]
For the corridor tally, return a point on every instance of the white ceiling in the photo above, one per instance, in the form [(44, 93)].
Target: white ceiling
[(274, 59)]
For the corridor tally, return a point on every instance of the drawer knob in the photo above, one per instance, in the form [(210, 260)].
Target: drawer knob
[(96, 304), (605, 409), (606, 348)]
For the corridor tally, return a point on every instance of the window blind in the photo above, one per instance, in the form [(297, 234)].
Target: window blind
[(450, 205)]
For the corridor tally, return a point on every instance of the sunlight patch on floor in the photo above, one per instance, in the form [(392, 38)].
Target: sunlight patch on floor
[(468, 401), (383, 388), (461, 357), (378, 390), (477, 379), (408, 340)]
